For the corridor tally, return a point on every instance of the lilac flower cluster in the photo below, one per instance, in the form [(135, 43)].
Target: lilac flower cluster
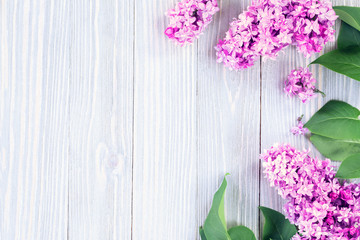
[(262, 30), (188, 20), (312, 22), (270, 25), (300, 82), (317, 203)]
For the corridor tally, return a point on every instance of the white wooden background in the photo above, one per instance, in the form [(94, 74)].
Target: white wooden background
[(110, 131)]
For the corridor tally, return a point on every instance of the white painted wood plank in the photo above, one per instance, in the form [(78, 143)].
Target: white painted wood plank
[(165, 168), (279, 112), (34, 120), (101, 113), (228, 124)]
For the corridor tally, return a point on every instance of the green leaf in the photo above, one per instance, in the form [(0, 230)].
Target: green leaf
[(350, 15), (336, 130), (202, 233), (276, 226), (350, 167), (215, 224), (348, 37), (336, 119), (241, 233), (344, 61), (335, 149)]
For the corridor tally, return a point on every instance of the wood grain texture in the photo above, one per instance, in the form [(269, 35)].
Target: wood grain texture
[(228, 127), (34, 119), (165, 168), (110, 131), (279, 112), (101, 114)]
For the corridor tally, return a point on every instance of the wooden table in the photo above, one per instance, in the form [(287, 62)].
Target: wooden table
[(110, 131)]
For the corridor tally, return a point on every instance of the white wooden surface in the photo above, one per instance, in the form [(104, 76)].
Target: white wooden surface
[(109, 131)]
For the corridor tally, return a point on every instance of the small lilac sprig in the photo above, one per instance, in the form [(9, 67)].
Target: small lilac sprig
[(299, 129), (300, 82), (317, 203), (188, 20)]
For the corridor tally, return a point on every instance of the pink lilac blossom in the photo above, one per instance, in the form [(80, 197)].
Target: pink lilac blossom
[(317, 203), (188, 20), (299, 129), (262, 30), (313, 22), (300, 82), (270, 25)]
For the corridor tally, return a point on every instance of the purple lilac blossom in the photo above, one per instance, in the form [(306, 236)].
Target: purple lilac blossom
[(299, 129), (317, 203), (260, 31), (313, 22), (300, 82), (270, 25), (188, 20)]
